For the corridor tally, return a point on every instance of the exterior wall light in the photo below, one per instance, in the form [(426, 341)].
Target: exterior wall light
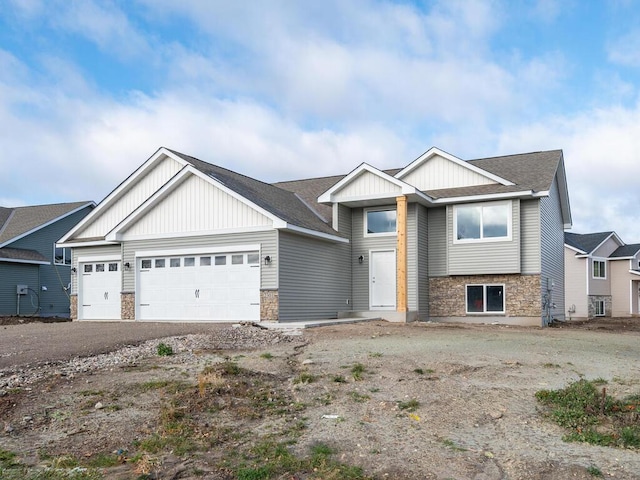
[(73, 270), (267, 260), (127, 266), (361, 259)]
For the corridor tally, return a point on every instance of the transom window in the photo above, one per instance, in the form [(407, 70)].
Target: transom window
[(61, 256), (599, 269), (380, 222), (485, 298), (491, 221)]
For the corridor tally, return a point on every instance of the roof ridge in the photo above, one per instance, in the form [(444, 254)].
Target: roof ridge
[(513, 155)]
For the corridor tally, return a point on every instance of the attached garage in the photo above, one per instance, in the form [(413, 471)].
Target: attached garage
[(100, 283), (212, 286)]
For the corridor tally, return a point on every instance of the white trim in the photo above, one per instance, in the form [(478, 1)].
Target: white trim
[(620, 242), (433, 151), (405, 188), (313, 233), (93, 243), (335, 220), (31, 262), (100, 258), (482, 239), (484, 298), (577, 250), (593, 270), (487, 197), (161, 236), (169, 252), (365, 221), (634, 272), (373, 196), (50, 222)]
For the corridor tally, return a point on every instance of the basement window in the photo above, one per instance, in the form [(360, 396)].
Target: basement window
[(600, 308), (485, 299)]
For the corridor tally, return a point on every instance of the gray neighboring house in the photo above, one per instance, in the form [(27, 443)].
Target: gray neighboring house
[(602, 276), (34, 273), (439, 239)]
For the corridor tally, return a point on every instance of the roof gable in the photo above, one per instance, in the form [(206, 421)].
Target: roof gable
[(626, 252), (588, 243), (436, 169)]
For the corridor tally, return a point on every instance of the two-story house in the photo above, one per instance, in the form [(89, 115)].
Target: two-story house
[(441, 238), (602, 276)]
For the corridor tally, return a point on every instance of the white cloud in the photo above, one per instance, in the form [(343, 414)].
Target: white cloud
[(625, 50)]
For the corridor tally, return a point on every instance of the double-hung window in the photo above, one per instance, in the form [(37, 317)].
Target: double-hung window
[(599, 269), (482, 222), (485, 298), (599, 308)]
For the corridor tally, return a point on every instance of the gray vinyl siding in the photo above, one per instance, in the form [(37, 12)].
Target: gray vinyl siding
[(314, 278), (12, 275), (530, 236), (552, 249), (423, 263), (95, 251), (54, 301), (267, 240), (437, 241), (344, 220), (361, 245), (483, 258), (412, 257)]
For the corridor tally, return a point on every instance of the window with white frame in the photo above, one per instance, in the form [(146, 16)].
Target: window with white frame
[(61, 256), (380, 221), (599, 308), (599, 269), (485, 298), (482, 222)]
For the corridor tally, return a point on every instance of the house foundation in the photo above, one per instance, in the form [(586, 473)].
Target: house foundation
[(128, 306), (269, 305), (73, 304), (595, 301)]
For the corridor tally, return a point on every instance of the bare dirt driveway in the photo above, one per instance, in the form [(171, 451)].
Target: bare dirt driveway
[(384, 401)]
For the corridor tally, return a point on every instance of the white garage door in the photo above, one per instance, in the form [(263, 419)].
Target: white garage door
[(99, 291), (221, 286)]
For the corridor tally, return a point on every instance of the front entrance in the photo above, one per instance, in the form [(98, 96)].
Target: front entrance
[(382, 280)]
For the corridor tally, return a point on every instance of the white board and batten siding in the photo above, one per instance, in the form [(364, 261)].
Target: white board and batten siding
[(197, 206), (132, 199), (438, 172), (485, 258), (314, 278), (552, 248), (367, 185)]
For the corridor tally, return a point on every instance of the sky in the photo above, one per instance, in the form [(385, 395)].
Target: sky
[(283, 89)]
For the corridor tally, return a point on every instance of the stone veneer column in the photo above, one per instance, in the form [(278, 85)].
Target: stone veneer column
[(128, 306), (269, 305), (73, 301), (401, 254)]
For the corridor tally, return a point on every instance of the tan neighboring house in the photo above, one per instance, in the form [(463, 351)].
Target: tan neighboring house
[(602, 276)]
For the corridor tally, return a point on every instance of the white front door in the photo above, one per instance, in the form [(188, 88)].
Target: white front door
[(382, 280), (99, 291)]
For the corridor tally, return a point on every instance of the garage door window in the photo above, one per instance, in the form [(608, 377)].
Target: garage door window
[(99, 267), (237, 259), (88, 268), (205, 261), (113, 267), (253, 258), (174, 263), (221, 260), (159, 262), (189, 261), (146, 264)]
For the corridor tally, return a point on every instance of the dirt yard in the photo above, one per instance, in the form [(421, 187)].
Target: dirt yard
[(384, 401)]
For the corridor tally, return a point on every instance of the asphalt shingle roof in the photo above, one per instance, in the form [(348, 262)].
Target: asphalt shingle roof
[(17, 221), (585, 242), (626, 251), (21, 254), (284, 204)]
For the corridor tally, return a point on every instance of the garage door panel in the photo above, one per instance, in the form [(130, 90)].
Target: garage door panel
[(99, 291), (210, 287)]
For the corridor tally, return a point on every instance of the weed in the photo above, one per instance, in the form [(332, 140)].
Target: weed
[(357, 370), (419, 371), (7, 459), (164, 350), (410, 405), (359, 397), (452, 445), (154, 385), (304, 377), (581, 408), (266, 356), (104, 460), (594, 471), (374, 390), (339, 379), (14, 390), (375, 354), (551, 365)]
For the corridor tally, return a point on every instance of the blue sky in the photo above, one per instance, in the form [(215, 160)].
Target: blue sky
[(281, 90)]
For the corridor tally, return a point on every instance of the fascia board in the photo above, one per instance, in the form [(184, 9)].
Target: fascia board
[(634, 272), (433, 151), (94, 243), (577, 250), (120, 189), (314, 233), (200, 233), (30, 262), (50, 222), (482, 198), (172, 184), (327, 197)]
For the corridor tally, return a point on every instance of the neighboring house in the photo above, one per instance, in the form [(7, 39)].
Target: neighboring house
[(602, 276), (442, 238), (34, 273)]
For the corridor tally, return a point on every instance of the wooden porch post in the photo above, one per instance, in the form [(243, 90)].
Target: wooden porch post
[(401, 255)]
